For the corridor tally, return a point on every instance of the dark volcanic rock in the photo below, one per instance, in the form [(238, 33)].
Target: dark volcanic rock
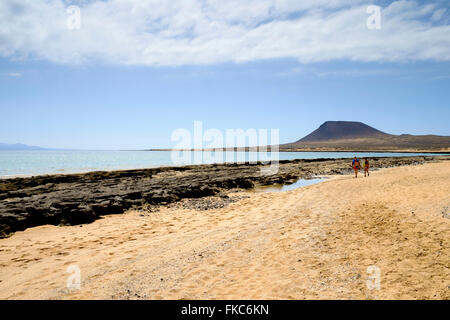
[(82, 198)]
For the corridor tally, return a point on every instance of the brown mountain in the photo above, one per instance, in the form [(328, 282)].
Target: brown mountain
[(357, 136), (333, 130)]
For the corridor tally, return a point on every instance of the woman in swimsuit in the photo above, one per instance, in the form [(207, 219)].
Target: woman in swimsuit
[(366, 167)]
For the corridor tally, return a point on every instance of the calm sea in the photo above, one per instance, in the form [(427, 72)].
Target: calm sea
[(26, 163)]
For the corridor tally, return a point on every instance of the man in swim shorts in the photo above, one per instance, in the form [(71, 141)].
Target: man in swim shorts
[(356, 165)]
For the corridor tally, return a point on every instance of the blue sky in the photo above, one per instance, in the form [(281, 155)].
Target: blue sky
[(116, 96)]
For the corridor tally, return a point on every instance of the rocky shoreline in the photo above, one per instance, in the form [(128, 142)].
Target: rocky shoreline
[(82, 198)]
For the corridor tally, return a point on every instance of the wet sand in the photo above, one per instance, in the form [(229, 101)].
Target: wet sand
[(310, 243)]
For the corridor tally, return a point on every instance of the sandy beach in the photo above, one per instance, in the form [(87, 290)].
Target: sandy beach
[(315, 242)]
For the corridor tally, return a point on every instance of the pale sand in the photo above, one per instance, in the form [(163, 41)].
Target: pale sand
[(311, 243)]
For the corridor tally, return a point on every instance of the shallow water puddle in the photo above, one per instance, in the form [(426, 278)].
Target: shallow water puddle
[(287, 187)]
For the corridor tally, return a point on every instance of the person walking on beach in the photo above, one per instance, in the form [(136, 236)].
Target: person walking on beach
[(356, 165), (366, 167)]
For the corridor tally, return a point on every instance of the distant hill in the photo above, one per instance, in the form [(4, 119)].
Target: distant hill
[(357, 136), (18, 146), (333, 130)]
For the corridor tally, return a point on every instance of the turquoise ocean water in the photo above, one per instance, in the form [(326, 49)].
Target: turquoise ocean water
[(26, 163)]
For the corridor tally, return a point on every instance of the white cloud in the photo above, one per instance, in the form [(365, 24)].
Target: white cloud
[(179, 32), (14, 74)]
